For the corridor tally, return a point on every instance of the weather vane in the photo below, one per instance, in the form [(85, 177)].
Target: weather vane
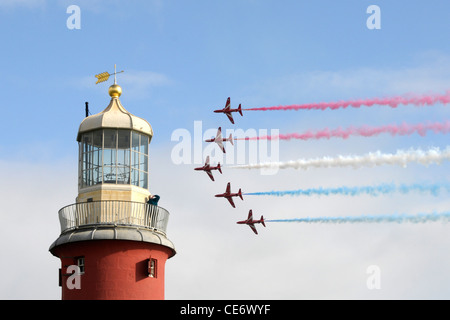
[(104, 76)]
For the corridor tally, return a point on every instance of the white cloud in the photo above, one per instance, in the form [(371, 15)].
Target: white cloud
[(141, 83)]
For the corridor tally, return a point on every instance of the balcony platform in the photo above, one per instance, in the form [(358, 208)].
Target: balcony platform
[(113, 220)]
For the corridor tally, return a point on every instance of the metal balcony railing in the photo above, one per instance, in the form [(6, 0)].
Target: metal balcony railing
[(113, 212)]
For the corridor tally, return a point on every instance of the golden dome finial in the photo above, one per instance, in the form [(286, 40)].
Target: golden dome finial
[(115, 91)]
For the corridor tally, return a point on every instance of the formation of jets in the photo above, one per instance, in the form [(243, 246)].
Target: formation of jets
[(208, 168)]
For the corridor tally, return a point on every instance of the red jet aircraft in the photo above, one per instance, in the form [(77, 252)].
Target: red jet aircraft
[(207, 168), (251, 223), (227, 110), (218, 139), (230, 195)]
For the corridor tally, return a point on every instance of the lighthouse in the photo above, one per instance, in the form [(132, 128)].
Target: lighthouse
[(113, 243)]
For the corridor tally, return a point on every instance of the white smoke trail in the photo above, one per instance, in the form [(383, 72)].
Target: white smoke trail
[(401, 157), (399, 218)]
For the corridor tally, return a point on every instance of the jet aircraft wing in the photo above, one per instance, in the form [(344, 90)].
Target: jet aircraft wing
[(252, 226)]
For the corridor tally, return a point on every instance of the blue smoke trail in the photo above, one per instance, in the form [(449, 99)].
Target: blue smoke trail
[(399, 218), (434, 189)]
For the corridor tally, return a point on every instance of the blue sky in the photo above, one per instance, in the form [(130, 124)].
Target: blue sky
[(182, 59)]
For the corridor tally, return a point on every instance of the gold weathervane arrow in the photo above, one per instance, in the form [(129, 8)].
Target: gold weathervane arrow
[(104, 76)]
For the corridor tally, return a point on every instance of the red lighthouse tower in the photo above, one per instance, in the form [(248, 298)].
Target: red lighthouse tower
[(113, 242)]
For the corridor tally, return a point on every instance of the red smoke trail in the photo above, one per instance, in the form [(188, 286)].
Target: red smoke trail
[(364, 131), (417, 100)]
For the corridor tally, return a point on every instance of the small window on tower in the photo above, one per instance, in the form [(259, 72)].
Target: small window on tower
[(80, 264), (152, 268)]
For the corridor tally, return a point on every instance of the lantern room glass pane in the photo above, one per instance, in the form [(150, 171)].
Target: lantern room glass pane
[(87, 142), (109, 138), (96, 158), (97, 137), (123, 157), (123, 139), (109, 157), (144, 144), (96, 175), (135, 177), (143, 179), (135, 141), (123, 175), (109, 174)]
